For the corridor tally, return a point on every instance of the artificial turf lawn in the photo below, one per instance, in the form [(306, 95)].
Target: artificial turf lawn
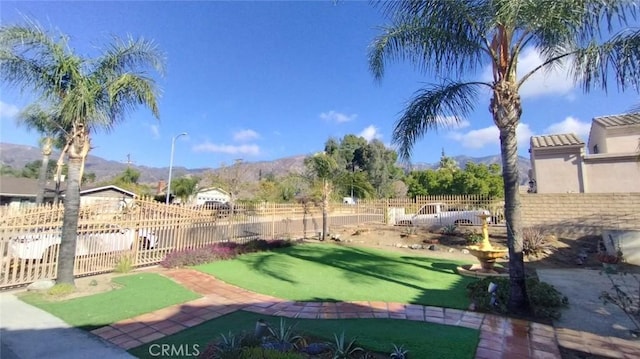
[(423, 340), (140, 293), (327, 272)]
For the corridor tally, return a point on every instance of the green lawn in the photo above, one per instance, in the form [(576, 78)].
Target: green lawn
[(140, 293), (424, 340), (326, 272)]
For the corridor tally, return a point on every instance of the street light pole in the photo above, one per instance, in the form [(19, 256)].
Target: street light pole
[(173, 147)]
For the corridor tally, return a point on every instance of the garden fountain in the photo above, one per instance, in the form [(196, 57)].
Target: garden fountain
[(486, 254)]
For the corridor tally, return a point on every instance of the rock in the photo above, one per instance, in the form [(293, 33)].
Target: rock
[(433, 247), (465, 251), (41, 285), (399, 245), (415, 246), (451, 250)]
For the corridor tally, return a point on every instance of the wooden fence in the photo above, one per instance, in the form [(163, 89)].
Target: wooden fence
[(144, 232)]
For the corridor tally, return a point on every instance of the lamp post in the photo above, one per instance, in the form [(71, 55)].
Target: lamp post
[(173, 147)]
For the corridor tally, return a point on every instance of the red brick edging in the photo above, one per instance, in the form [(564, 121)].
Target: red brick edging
[(500, 337)]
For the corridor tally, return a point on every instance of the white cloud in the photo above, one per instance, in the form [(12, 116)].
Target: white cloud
[(490, 136), (370, 132), (248, 149), (570, 125), (333, 116), (245, 135), (155, 131), (8, 111), (451, 123), (554, 80)]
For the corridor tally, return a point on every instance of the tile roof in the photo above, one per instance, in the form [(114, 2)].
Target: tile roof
[(546, 141), (628, 119)]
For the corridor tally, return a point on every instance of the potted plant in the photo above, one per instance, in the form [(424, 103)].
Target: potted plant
[(610, 261)]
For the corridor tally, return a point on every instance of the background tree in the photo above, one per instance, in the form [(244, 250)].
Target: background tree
[(185, 187), (85, 95), (34, 117), (451, 39), (364, 169), (322, 169)]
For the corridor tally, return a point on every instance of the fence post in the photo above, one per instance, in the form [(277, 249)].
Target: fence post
[(273, 220)]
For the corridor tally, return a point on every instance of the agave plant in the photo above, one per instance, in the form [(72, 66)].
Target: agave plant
[(228, 346), (283, 338), (343, 349), (399, 352)]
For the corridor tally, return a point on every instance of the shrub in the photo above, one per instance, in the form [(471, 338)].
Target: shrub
[(449, 230), (61, 289), (534, 242), (260, 353), (219, 251), (473, 237), (124, 265), (546, 301)]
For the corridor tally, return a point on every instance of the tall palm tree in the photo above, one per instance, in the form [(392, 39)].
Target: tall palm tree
[(86, 95), (34, 117), (454, 38)]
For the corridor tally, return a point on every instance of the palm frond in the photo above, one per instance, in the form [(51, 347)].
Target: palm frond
[(619, 56), (128, 91), (441, 36), (430, 109), (131, 55), (26, 56)]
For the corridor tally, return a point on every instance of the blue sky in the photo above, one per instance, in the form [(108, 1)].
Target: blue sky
[(263, 80)]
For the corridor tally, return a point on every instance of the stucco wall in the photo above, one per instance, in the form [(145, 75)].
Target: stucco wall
[(557, 172), (577, 214), (612, 175), (598, 136), (626, 142)]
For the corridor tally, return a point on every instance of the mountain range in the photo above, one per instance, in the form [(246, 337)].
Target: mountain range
[(17, 156)]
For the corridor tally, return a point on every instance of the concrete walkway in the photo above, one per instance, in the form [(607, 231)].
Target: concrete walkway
[(28, 332), (586, 310)]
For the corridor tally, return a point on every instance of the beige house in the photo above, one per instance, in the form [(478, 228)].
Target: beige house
[(212, 194), (609, 162)]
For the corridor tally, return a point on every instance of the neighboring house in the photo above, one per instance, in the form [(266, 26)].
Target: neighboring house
[(212, 194), (109, 193), (610, 161), (15, 191)]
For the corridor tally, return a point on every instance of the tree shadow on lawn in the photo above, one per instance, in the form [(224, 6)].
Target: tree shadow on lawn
[(361, 267), (268, 264)]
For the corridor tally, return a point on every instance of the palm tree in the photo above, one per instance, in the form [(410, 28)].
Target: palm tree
[(86, 95), (36, 118), (451, 39), (323, 168)]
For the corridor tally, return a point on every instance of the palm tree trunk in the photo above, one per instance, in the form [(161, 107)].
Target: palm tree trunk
[(506, 109), (325, 208), (42, 176), (518, 298), (67, 254)]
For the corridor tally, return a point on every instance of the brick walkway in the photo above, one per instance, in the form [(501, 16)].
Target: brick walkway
[(500, 337)]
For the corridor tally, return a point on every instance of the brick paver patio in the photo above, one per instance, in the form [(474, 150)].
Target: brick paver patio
[(500, 337)]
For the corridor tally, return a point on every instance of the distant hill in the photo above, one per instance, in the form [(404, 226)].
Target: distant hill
[(17, 156)]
